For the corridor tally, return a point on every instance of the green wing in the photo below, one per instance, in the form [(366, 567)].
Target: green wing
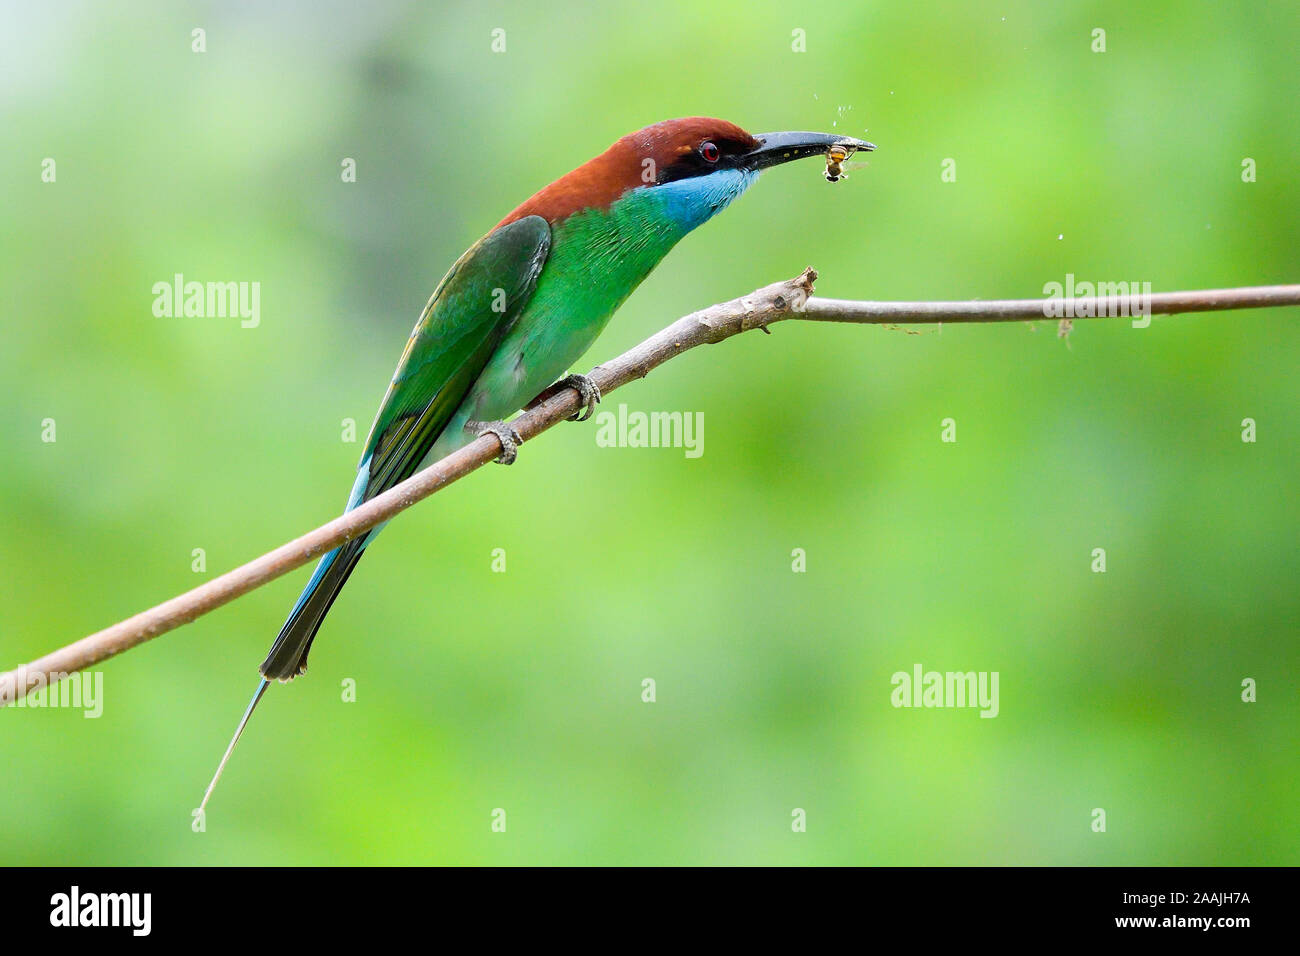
[(469, 312)]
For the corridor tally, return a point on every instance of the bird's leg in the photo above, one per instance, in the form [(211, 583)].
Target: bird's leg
[(587, 392), (506, 434)]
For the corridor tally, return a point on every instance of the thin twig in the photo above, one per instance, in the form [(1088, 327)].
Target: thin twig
[(773, 303), (1010, 310)]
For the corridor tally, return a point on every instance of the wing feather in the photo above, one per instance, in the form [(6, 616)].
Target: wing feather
[(475, 303)]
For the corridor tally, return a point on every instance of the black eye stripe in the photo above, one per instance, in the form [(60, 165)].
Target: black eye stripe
[(693, 161)]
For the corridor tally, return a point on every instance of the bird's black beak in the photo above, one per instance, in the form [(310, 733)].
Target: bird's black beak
[(776, 148)]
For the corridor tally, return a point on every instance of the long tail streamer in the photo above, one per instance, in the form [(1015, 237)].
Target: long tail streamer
[(252, 705)]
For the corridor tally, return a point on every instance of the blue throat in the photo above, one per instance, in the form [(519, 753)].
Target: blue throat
[(689, 203)]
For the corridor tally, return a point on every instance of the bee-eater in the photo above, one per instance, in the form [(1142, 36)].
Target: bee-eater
[(524, 303)]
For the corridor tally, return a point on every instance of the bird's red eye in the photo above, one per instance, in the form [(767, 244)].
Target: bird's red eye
[(710, 152)]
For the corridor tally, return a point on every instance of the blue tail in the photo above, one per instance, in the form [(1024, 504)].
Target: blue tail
[(288, 655)]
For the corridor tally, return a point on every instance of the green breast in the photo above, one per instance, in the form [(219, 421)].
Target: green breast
[(597, 258)]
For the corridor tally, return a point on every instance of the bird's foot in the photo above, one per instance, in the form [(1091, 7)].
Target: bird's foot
[(587, 392), (506, 434)]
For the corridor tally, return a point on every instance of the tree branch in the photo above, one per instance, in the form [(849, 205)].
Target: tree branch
[(773, 303), (1010, 310)]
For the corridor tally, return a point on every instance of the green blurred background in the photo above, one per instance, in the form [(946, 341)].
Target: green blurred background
[(479, 690)]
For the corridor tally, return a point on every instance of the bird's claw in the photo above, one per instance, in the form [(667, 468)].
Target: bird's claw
[(506, 434), (588, 392)]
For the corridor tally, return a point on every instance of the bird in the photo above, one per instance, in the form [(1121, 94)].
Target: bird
[(524, 303)]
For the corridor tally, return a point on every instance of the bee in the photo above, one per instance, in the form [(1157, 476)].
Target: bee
[(836, 161), (835, 158)]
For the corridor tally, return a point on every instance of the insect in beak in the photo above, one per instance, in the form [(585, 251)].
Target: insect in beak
[(836, 156)]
